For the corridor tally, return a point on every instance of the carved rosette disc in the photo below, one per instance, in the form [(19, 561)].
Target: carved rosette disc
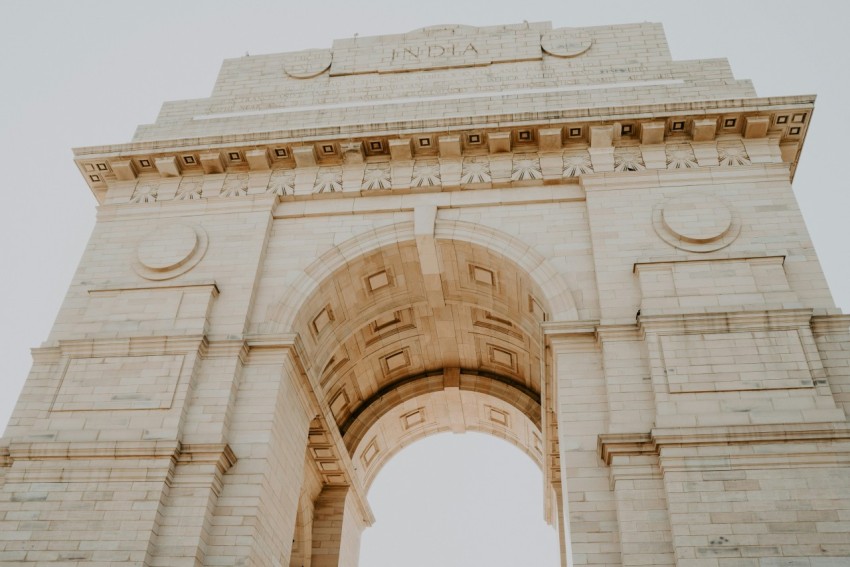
[(169, 251), (308, 64), (565, 43), (696, 222)]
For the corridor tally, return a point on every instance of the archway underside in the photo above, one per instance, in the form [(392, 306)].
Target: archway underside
[(418, 337), (453, 400)]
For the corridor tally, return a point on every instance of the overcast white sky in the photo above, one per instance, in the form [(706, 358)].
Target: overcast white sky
[(87, 72)]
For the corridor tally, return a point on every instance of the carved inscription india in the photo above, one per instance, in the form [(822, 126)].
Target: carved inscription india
[(419, 51), (445, 51)]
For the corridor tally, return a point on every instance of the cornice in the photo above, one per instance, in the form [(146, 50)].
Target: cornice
[(612, 445), (773, 129), (622, 332), (257, 346), (603, 113), (133, 345), (837, 323), (725, 320), (569, 329), (78, 462), (218, 454), (739, 434), (44, 451)]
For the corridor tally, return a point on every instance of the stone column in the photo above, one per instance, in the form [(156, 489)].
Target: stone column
[(582, 411), (638, 484), (187, 506), (563, 524), (254, 520), (328, 517)]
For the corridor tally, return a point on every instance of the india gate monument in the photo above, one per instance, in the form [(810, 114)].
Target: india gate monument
[(558, 236)]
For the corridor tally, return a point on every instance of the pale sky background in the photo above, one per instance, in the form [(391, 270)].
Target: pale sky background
[(87, 72)]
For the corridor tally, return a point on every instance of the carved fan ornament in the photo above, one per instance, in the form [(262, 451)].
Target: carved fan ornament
[(731, 153), (281, 182), (475, 170), (680, 157), (426, 173), (577, 164), (190, 189), (628, 159), (526, 167), (145, 192), (329, 180), (376, 176), (235, 185)]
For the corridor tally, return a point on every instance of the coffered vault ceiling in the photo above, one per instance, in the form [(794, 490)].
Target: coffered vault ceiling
[(401, 352)]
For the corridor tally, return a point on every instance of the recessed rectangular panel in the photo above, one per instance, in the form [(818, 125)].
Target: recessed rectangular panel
[(379, 280), (163, 310), (322, 320), (119, 383), (370, 452), (718, 362), (413, 418), (396, 361), (339, 403)]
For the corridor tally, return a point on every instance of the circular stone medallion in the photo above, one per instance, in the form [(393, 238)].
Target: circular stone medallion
[(170, 250), (308, 64), (697, 222), (564, 43)]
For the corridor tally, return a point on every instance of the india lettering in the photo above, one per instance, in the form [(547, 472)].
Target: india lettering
[(424, 52)]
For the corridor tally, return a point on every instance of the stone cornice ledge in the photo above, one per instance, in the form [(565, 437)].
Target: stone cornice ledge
[(218, 454), (777, 148), (831, 323), (648, 111), (52, 450), (734, 434), (610, 445), (725, 320), (552, 329)]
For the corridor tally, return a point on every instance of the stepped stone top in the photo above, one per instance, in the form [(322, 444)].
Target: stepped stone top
[(444, 72), (453, 91)]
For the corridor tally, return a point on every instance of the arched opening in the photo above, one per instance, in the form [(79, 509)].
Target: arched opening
[(451, 400), (413, 338), (459, 500)]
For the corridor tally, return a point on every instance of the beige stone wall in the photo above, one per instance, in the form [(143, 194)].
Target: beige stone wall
[(764, 508)]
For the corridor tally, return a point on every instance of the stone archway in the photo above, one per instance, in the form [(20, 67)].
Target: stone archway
[(268, 291), (449, 400), (418, 336)]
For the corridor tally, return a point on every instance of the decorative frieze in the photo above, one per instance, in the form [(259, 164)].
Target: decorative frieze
[(481, 171), (633, 144)]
